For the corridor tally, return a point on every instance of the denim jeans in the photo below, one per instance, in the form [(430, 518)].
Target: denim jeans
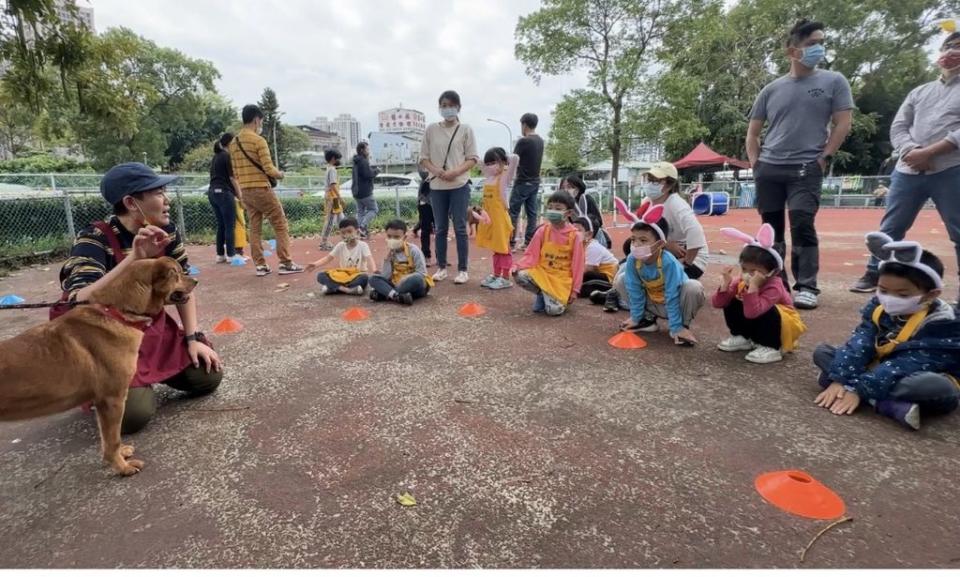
[(414, 284), (525, 195), (225, 210), (334, 287), (367, 210), (796, 188), (909, 192), (451, 204)]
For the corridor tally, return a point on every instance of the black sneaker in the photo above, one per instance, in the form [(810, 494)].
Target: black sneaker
[(598, 297), (611, 301), (405, 299), (866, 284), (646, 326)]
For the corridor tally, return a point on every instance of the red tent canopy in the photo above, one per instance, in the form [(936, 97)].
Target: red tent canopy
[(703, 155)]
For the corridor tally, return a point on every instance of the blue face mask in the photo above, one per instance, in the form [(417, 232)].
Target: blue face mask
[(813, 55)]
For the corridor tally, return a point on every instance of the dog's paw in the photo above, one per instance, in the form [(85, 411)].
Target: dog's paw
[(130, 467), (126, 451)]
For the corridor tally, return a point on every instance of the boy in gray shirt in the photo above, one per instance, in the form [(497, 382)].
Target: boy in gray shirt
[(788, 168)]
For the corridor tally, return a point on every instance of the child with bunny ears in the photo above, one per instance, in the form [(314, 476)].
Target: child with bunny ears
[(756, 305), (904, 356), (656, 284)]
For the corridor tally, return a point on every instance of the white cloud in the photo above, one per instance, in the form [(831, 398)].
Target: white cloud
[(324, 58)]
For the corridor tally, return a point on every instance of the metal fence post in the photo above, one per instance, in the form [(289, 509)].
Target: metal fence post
[(181, 224), (67, 208), (396, 196)]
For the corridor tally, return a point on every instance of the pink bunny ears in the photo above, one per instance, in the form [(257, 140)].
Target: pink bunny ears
[(649, 215), (764, 240)]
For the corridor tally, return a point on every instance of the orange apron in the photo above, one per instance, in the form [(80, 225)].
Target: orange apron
[(791, 325)]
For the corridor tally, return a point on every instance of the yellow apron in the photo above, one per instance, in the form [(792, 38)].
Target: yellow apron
[(554, 273), (402, 269), (496, 235), (791, 325), (333, 196), (608, 270), (343, 275), (654, 288), (240, 228), (906, 333)]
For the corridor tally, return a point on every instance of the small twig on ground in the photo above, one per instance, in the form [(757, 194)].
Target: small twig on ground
[(803, 553), (220, 410), (464, 401), (50, 476)]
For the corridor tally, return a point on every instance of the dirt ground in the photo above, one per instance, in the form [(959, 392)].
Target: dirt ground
[(527, 441)]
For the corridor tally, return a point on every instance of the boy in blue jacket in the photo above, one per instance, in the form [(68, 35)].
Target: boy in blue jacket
[(904, 357), (656, 284)]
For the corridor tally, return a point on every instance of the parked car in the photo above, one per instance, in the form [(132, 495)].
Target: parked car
[(281, 190), (386, 185)]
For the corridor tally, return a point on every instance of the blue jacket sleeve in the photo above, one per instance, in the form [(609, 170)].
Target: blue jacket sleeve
[(672, 285), (878, 383), (860, 349), (635, 291)]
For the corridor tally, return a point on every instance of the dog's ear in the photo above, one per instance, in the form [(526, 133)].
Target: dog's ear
[(130, 291), (165, 278)]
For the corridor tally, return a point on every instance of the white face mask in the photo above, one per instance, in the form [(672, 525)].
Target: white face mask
[(653, 190), (395, 243), (900, 306), (641, 252), (449, 113)]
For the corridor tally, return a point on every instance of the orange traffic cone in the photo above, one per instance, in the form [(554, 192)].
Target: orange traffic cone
[(472, 310), (355, 315), (227, 326), (798, 493), (627, 340)]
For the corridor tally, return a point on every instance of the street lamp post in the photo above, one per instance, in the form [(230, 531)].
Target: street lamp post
[(509, 132), (276, 154)]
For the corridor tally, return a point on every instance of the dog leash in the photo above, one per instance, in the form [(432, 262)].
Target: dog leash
[(40, 305)]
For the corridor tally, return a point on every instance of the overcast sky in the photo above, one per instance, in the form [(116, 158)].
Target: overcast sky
[(324, 58)]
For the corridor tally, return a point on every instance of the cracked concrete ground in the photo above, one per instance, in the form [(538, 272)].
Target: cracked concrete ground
[(527, 441)]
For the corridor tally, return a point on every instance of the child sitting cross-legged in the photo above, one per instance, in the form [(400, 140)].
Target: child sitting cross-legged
[(354, 261), (656, 285), (404, 278), (756, 305), (601, 265), (904, 356)]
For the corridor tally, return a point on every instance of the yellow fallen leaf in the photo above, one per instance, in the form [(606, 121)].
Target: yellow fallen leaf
[(406, 499), (283, 285)]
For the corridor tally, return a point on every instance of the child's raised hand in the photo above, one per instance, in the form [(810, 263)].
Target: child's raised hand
[(756, 281), (728, 272)]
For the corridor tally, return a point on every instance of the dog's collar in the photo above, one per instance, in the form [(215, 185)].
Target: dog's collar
[(120, 316)]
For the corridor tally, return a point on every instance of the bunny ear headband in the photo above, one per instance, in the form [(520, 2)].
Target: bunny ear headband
[(764, 240), (904, 252), (646, 214)]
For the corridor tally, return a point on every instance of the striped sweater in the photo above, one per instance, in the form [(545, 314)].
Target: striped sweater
[(91, 256), (248, 175)]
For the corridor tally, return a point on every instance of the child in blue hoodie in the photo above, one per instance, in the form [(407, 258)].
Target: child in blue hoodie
[(656, 284), (904, 356)]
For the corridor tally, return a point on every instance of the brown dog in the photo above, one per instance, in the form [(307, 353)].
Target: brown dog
[(90, 354)]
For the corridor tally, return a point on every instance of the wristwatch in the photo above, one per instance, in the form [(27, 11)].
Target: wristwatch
[(197, 336)]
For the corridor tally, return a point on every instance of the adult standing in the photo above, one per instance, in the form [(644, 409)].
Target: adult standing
[(526, 186), (926, 131), (223, 194), (448, 152), (254, 170), (361, 187), (140, 228), (586, 207), (789, 166)]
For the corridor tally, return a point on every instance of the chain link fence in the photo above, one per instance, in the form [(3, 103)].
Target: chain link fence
[(40, 214)]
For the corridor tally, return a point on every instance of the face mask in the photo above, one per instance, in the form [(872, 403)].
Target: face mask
[(652, 190), (899, 306), (813, 55), (641, 252), (555, 216), (949, 60), (349, 239), (449, 113), (395, 243)]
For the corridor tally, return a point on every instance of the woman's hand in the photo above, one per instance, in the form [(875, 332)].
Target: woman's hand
[(151, 241), (201, 352)]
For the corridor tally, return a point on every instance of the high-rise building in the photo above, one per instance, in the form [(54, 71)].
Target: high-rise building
[(404, 121), (344, 125)]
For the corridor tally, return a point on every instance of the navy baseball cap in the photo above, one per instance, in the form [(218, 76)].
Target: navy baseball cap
[(130, 178)]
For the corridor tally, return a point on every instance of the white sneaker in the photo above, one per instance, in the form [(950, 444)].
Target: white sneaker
[(764, 355), (805, 300), (736, 343), (221, 259), (462, 277), (323, 289), (440, 275), (358, 291), (486, 282)]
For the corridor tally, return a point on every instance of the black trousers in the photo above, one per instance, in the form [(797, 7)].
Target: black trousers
[(425, 212), (763, 330)]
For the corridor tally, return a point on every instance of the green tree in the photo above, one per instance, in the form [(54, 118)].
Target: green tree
[(271, 123), (579, 131), (291, 140), (615, 40)]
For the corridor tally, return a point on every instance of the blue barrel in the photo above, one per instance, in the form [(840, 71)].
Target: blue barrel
[(711, 203)]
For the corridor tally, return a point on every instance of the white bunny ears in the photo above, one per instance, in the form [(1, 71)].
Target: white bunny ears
[(904, 252), (649, 215), (764, 240)]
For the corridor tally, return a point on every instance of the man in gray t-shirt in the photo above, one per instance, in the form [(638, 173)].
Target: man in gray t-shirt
[(788, 168)]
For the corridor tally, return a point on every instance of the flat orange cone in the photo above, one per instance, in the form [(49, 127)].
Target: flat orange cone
[(798, 493), (472, 310), (227, 326), (355, 315), (627, 340)]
